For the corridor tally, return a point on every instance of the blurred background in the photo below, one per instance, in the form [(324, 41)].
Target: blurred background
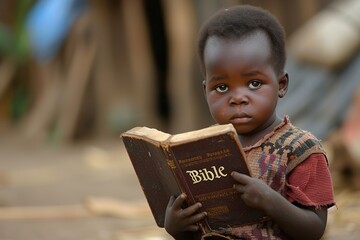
[(75, 74)]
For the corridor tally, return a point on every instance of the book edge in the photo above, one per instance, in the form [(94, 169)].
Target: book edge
[(201, 134)]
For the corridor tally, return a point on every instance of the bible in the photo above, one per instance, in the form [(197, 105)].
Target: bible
[(198, 163)]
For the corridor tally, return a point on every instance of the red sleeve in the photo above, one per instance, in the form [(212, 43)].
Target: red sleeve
[(310, 183)]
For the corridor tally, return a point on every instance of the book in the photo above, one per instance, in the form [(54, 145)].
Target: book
[(198, 163)]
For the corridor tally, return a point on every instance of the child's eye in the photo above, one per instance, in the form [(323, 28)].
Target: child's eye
[(222, 88), (255, 84)]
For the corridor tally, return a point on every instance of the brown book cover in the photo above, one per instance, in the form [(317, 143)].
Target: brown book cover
[(198, 163)]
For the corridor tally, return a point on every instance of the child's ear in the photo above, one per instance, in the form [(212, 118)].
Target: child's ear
[(204, 87), (283, 84)]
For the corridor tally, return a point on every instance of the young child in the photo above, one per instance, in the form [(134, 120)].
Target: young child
[(242, 55)]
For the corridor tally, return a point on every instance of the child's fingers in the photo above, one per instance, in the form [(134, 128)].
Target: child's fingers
[(198, 217), (239, 188), (178, 202), (171, 201), (241, 178), (193, 226), (191, 210)]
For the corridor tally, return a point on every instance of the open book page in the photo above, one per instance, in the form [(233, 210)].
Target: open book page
[(151, 134), (202, 133)]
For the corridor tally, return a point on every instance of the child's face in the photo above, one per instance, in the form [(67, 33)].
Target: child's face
[(241, 85)]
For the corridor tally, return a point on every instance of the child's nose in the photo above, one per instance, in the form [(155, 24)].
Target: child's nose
[(238, 97)]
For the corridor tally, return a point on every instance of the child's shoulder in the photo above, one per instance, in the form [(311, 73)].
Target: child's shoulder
[(299, 142), (286, 135), (297, 137)]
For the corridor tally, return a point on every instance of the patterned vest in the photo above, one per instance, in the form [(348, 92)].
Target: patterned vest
[(271, 159)]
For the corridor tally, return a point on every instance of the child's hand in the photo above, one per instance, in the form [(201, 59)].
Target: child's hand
[(178, 220), (255, 193)]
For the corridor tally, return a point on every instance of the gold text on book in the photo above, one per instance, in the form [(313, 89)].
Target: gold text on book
[(206, 174)]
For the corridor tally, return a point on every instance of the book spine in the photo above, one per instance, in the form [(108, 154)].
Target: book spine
[(180, 178)]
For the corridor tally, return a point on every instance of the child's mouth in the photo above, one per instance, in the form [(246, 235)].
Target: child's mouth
[(240, 118)]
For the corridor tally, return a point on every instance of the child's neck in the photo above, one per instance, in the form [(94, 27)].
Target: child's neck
[(250, 139)]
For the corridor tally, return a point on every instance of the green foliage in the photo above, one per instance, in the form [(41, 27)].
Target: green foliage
[(6, 41), (14, 42), (19, 103)]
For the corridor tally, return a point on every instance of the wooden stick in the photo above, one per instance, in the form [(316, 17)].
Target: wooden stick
[(35, 125), (7, 71), (111, 81), (180, 26), (43, 212), (117, 208), (141, 65), (78, 77), (93, 206)]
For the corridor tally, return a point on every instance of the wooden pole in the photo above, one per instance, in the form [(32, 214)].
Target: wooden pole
[(141, 64), (77, 78), (181, 27)]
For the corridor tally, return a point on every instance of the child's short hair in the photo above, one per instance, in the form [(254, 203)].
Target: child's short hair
[(239, 21)]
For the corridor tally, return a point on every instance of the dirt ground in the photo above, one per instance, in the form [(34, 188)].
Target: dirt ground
[(89, 191)]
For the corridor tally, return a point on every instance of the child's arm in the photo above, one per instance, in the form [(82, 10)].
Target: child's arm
[(181, 223), (296, 222)]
